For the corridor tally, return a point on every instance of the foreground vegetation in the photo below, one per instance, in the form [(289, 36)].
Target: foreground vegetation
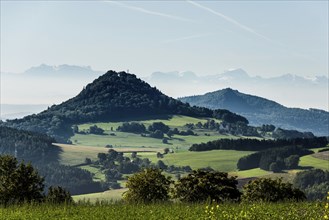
[(151, 195), (288, 210)]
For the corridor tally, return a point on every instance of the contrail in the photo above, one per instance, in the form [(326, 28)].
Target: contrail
[(187, 38), (145, 11), (246, 28), (231, 20)]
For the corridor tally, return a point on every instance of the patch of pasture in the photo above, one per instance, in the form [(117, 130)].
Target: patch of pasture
[(221, 160), (311, 161), (256, 172), (76, 154)]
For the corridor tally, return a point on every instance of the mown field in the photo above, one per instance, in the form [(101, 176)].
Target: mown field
[(264, 211), (313, 162), (223, 160)]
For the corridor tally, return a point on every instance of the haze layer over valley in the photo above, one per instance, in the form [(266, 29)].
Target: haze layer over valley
[(54, 84)]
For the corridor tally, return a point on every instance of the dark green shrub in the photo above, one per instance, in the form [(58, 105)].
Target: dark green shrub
[(58, 195), (201, 185), (269, 190), (147, 186)]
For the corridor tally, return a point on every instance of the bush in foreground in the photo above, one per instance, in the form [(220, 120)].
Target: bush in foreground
[(21, 183), (147, 186), (315, 183), (201, 185), (269, 190)]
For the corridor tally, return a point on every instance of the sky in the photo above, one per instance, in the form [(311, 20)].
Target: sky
[(265, 38)]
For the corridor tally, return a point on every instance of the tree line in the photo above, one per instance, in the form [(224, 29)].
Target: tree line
[(21, 183), (274, 159), (246, 144), (73, 179), (115, 165), (150, 185), (29, 146), (43, 155)]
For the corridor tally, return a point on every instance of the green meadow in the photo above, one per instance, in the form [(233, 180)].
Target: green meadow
[(123, 139), (313, 162), (223, 160), (89, 145), (167, 211)]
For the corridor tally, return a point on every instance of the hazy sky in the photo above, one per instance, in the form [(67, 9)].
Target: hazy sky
[(266, 38)]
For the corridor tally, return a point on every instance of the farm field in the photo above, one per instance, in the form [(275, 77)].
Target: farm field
[(256, 172), (76, 154), (174, 121), (322, 155), (311, 161), (89, 145), (124, 139), (221, 160), (119, 211)]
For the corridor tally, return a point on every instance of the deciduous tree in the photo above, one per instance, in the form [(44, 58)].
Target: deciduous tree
[(147, 186), (270, 190), (201, 185)]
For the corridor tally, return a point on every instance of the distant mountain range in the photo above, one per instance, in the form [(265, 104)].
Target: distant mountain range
[(45, 84), (290, 90), (64, 70), (263, 111)]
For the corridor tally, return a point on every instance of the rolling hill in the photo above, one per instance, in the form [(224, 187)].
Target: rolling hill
[(263, 111), (113, 97)]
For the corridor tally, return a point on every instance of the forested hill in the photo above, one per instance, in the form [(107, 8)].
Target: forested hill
[(29, 146), (113, 96), (263, 111), (38, 150)]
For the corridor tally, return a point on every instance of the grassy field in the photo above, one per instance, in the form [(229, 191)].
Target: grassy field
[(311, 161), (89, 145), (76, 154), (117, 211), (174, 121), (98, 175), (221, 160), (256, 172), (124, 139)]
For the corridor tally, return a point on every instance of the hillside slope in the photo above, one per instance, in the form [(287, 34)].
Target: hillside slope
[(263, 111), (112, 97)]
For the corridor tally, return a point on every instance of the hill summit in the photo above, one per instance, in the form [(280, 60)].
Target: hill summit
[(260, 111), (114, 96)]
